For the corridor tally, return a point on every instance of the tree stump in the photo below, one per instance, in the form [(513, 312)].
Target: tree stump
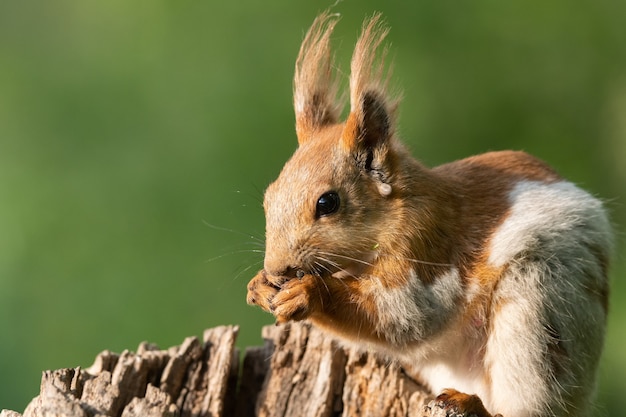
[(299, 372)]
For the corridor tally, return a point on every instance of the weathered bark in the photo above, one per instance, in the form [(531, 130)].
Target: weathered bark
[(298, 372)]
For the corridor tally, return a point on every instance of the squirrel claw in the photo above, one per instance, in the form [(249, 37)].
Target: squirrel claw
[(290, 301), (261, 292), (460, 404)]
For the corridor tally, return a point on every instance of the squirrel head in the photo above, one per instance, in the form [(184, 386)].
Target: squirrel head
[(327, 210)]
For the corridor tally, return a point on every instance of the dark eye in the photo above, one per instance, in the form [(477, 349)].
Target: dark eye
[(328, 203)]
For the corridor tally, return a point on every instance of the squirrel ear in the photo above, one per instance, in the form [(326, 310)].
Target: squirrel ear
[(314, 86), (366, 136), (370, 122), (369, 125)]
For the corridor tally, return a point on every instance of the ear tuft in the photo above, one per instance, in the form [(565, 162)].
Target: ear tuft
[(367, 73), (314, 86), (372, 111)]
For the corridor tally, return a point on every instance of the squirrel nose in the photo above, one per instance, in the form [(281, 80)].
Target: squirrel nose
[(288, 272), (283, 272)]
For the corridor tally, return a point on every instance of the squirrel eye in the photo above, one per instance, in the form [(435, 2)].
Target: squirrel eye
[(328, 203)]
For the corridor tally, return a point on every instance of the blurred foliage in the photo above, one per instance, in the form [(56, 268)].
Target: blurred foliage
[(136, 139)]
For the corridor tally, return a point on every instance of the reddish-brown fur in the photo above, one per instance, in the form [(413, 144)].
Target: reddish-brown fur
[(460, 403), (399, 221)]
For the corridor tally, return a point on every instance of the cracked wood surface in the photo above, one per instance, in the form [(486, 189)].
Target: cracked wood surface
[(299, 371)]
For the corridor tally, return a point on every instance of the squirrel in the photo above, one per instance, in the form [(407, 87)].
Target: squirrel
[(485, 278)]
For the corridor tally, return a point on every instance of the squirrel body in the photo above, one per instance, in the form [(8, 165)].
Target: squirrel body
[(486, 278)]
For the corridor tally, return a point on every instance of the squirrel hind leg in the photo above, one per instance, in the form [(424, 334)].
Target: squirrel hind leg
[(454, 403)]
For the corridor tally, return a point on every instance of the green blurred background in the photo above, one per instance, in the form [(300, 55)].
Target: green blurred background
[(136, 138)]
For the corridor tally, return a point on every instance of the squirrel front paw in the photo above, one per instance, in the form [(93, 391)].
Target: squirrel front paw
[(261, 291), (285, 299), (454, 403)]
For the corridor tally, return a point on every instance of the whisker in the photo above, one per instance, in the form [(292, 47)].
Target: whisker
[(417, 261), (246, 269), (322, 266), (235, 252), (328, 261), (336, 266), (325, 285), (350, 258), (237, 232), (382, 254)]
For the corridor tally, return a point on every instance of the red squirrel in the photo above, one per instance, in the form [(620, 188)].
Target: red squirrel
[(485, 278)]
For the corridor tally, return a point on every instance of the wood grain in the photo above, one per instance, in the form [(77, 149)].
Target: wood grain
[(299, 371)]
